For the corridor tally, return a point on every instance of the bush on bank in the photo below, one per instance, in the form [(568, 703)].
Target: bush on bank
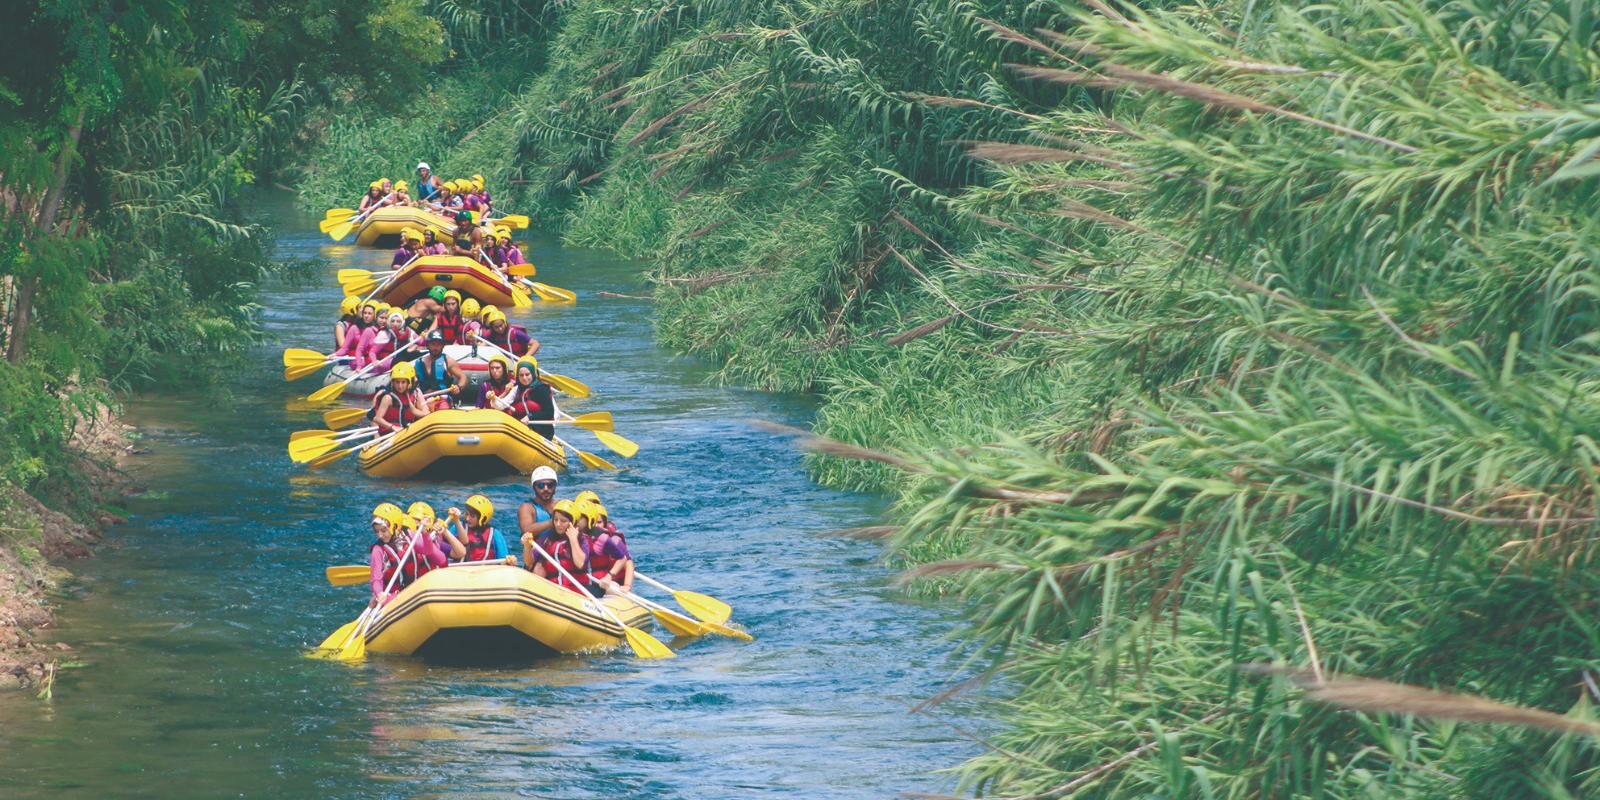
[(1204, 337)]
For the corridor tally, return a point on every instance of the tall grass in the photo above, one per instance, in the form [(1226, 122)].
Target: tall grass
[(1218, 353)]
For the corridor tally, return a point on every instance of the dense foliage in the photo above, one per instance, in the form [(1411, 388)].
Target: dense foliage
[(127, 131), (1207, 336)]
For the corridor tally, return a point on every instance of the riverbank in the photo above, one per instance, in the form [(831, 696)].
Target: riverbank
[(36, 539)]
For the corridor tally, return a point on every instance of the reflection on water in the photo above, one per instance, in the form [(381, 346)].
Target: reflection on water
[(193, 623)]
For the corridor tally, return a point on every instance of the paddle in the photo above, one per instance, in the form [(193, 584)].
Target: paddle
[(328, 458), (303, 450), (298, 372), (351, 275), (621, 445), (545, 291), (594, 421), (644, 645), (360, 287), (702, 606), (348, 575), (589, 460), (340, 417), (340, 213), (312, 434), (342, 229), (335, 389), (562, 383), (521, 270), (348, 632), (678, 623), (356, 648)]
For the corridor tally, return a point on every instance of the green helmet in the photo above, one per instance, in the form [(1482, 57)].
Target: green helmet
[(437, 293)]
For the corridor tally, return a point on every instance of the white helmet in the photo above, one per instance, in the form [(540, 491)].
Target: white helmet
[(423, 165), (542, 474)]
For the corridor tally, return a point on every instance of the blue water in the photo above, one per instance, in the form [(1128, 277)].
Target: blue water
[(188, 678)]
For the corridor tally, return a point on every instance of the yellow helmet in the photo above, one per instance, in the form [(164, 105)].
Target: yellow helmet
[(600, 510), (420, 511), (411, 234), (446, 187), (585, 510), (453, 293), (403, 371), (565, 507), (502, 358), (492, 314), (481, 504), (390, 513), (586, 496), (350, 304), (399, 186), (477, 183), (375, 185), (470, 308), (382, 181), (490, 309), (383, 309), (531, 363)]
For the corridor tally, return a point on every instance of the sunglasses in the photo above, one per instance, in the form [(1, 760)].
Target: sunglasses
[(545, 485)]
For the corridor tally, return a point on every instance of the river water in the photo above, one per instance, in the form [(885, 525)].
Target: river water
[(189, 629)]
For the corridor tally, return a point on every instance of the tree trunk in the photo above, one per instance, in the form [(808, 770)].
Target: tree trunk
[(22, 311)]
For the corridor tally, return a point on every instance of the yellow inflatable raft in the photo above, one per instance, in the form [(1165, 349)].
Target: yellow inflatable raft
[(384, 225), (459, 443), (496, 613), (472, 279)]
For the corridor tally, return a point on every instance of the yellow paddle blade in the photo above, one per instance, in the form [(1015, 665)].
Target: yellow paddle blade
[(296, 373), (593, 461), (343, 417), (703, 607), (355, 650), (554, 294), (298, 435), (566, 385), (324, 460), (307, 449), (514, 220), (351, 275), (622, 445), (359, 287), (340, 230), (328, 225), (732, 633), (679, 624), (328, 392), (521, 270), (594, 421), (646, 646), (348, 575), (337, 639), (521, 298), (339, 213), (298, 355)]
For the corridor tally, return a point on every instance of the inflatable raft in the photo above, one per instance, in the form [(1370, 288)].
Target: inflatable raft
[(476, 368), (383, 227), (459, 443), (472, 279), (496, 613)]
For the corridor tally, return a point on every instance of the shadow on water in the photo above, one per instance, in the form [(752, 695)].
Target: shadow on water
[(193, 624)]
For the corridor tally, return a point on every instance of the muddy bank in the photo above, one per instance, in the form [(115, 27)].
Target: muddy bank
[(35, 539)]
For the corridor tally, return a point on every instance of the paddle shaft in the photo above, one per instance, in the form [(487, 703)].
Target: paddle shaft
[(399, 568), (507, 353), (385, 284), (587, 598)]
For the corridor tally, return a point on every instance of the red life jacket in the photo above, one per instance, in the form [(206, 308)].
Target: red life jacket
[(558, 548), (381, 350), (518, 345), (450, 327), (526, 406), (398, 413), (479, 542), (391, 560), (601, 562)]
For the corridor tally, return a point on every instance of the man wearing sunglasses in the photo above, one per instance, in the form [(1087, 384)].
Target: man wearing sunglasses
[(533, 516)]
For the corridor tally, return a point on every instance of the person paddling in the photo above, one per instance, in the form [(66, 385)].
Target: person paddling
[(410, 248), (502, 334), (387, 554), (437, 371), (471, 328), (398, 404), (349, 320), (431, 246), (427, 182), (609, 561), (449, 322), (391, 338), (356, 335), (428, 522), (533, 402), (533, 516), (482, 542), (373, 198), (419, 317), (497, 385), (567, 544)]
